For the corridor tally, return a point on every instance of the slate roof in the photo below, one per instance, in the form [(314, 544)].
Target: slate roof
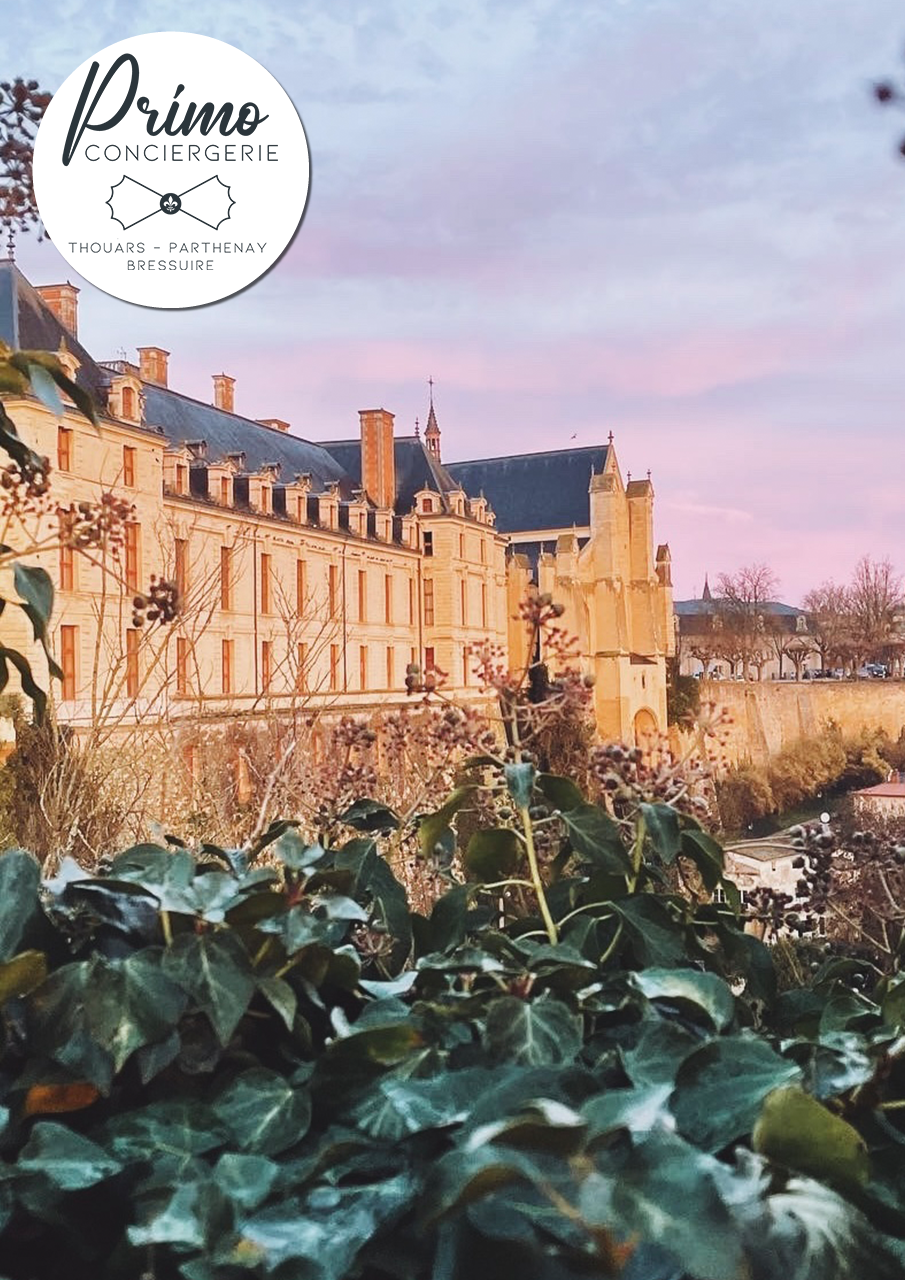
[(183, 419), (534, 490), (27, 322), (416, 468), (697, 608)]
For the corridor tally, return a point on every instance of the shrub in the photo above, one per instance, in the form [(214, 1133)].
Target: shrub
[(260, 1062)]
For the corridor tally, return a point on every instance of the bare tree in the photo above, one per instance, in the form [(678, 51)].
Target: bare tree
[(876, 601), (829, 608), (741, 602)]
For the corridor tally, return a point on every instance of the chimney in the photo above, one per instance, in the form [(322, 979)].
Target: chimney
[(275, 424), (63, 301), (378, 462), (152, 365), (224, 387)]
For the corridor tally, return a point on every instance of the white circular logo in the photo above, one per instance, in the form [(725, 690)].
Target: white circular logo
[(171, 170)]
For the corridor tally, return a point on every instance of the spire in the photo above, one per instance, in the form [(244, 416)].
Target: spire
[(705, 594), (11, 245), (417, 429), (432, 431)]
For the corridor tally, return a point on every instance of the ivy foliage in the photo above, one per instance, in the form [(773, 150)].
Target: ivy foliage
[(25, 481), (262, 1063)]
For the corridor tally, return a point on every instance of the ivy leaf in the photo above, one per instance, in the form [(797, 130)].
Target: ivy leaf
[(20, 878), (215, 971), (493, 854), (45, 389), (263, 1112), (561, 792), (35, 587), (797, 1131), (520, 783), (706, 854), (595, 837), (706, 991), (432, 825), (531, 1033), (661, 825), (22, 974), (66, 1159), (720, 1088), (370, 816)]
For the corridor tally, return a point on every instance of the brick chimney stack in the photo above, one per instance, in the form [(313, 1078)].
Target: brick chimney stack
[(275, 424), (224, 389), (63, 301), (152, 365), (378, 461)]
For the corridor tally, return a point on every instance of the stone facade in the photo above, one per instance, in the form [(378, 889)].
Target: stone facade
[(314, 570)]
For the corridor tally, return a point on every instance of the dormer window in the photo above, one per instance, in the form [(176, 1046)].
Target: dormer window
[(427, 505), (182, 478)]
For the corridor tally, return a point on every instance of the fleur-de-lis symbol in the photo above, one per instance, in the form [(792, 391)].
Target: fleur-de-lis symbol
[(169, 204)]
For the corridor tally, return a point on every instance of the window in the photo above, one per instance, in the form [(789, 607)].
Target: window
[(427, 505), (334, 666), (69, 638), (301, 662), (131, 663), (428, 543), (466, 659), (483, 552), (301, 508), (266, 665), (182, 665), (461, 546), (428, 602), (301, 585), (412, 604), (224, 490), (362, 597), (129, 466), (331, 590), (181, 567), (391, 666), (429, 661), (463, 600), (388, 597), (266, 600), (64, 449), (128, 407), (132, 557), (182, 478), (484, 604), (363, 666), (226, 666), (226, 578), (67, 569)]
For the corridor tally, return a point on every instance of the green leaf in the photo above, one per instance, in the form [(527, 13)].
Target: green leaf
[(30, 688), (493, 854), (797, 1131), (130, 1003), (432, 825), (45, 389), (704, 990), (595, 837), (263, 1113), (68, 1161), (532, 1034), (180, 1216), (35, 587), (22, 974), (245, 1180), (661, 825), (20, 878), (215, 971), (281, 997), (520, 783), (295, 853), (370, 816), (656, 937), (705, 853), (720, 1088), (561, 793)]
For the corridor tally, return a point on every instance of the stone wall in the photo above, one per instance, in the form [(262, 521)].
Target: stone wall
[(765, 717)]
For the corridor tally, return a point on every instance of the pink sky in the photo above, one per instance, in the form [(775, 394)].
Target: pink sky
[(679, 220)]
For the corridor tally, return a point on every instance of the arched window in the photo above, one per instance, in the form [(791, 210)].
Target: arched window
[(427, 505), (129, 403)]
